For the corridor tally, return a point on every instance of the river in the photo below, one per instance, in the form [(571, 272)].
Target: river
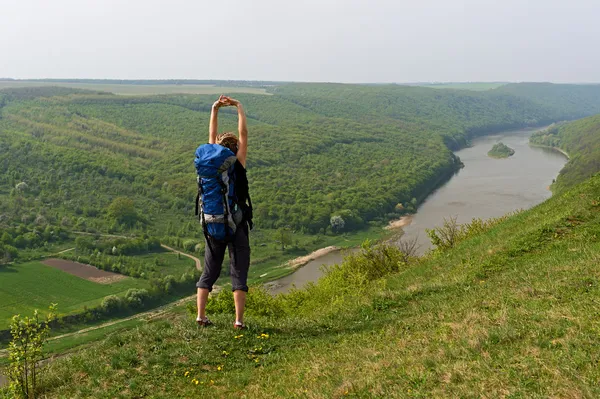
[(484, 188)]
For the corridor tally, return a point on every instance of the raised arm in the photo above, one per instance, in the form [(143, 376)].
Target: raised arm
[(214, 120), (242, 131)]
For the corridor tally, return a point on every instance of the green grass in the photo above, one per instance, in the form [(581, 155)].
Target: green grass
[(168, 263), (32, 285), (62, 345), (511, 312), (138, 89)]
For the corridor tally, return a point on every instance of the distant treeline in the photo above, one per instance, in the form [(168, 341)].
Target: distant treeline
[(228, 83)]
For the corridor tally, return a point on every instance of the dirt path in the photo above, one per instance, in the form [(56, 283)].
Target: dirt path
[(198, 263), (85, 233), (66, 250)]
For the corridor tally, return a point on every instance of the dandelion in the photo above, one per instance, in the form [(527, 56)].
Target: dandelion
[(219, 368), (211, 382), (187, 373), (238, 336), (263, 336), (225, 353), (256, 360)]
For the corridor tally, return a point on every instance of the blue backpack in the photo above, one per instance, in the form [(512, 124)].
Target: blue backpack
[(216, 191)]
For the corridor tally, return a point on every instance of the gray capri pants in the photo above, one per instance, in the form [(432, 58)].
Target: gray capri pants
[(239, 255)]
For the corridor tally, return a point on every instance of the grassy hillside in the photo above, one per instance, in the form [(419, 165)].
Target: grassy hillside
[(509, 311), (581, 140)]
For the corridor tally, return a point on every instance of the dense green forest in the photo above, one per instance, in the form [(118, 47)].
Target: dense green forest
[(91, 161), (501, 150), (581, 141)]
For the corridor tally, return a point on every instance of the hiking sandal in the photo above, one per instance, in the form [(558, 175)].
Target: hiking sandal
[(204, 323), (239, 326)]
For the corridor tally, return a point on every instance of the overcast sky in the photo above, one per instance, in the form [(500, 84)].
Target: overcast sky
[(306, 40)]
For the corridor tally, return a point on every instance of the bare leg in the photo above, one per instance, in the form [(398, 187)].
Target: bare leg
[(201, 301), (239, 297)]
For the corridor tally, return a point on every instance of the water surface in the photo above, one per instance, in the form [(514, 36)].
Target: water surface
[(486, 187)]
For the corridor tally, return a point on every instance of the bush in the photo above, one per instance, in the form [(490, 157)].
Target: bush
[(222, 302), (261, 303), (135, 298), (169, 284), (111, 304), (451, 233)]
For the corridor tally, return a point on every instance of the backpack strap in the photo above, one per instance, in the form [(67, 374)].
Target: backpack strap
[(200, 214)]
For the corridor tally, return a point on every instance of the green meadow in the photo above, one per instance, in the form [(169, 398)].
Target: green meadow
[(33, 285)]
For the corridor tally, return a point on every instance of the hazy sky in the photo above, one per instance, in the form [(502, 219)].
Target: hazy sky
[(306, 40)]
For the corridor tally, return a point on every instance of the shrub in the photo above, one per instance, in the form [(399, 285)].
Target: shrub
[(136, 297), (29, 334), (222, 302), (111, 304)]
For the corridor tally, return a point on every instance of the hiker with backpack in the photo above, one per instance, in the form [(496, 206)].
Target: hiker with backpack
[(224, 208)]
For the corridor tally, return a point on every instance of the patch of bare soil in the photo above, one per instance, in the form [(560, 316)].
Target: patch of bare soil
[(81, 270), (302, 260)]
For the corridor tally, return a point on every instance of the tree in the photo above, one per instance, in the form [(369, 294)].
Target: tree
[(29, 334), (111, 304), (21, 187), (122, 210), (283, 237), (337, 223), (7, 254)]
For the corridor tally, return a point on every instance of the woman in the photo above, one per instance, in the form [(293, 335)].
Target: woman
[(239, 247)]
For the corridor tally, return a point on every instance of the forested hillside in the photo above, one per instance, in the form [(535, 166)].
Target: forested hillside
[(93, 161), (581, 140)]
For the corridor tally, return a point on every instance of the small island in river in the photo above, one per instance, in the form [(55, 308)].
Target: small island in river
[(501, 150)]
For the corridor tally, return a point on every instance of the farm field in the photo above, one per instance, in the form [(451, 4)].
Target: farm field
[(33, 285), (138, 89), (475, 86)]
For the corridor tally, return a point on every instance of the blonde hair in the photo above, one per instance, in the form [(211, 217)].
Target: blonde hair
[(228, 140)]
